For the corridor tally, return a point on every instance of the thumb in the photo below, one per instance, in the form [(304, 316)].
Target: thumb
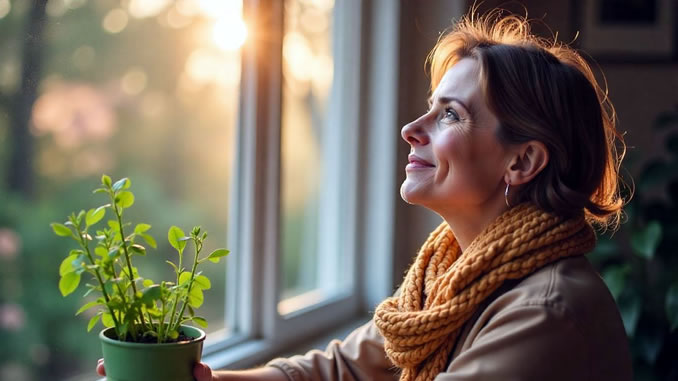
[(100, 368), (202, 372)]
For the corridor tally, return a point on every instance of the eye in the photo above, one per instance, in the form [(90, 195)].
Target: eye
[(450, 114)]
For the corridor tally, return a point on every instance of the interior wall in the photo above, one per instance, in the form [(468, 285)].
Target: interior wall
[(640, 88)]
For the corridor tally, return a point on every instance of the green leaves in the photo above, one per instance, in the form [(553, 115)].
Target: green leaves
[(67, 264), (176, 238), (151, 294), (184, 277), (95, 215), (615, 278), (93, 321), (200, 321), (141, 228), (107, 256), (217, 254), (630, 306), (149, 240), (195, 297), (61, 230), (203, 282), (138, 249), (69, 282), (88, 306), (645, 241), (123, 183), (629, 303), (125, 199), (107, 320)]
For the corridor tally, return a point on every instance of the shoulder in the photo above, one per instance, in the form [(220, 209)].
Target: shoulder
[(562, 312), (571, 285)]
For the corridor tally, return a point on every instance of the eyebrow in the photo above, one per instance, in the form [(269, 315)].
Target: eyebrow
[(444, 100)]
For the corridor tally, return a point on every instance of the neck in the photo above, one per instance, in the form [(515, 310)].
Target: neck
[(468, 223)]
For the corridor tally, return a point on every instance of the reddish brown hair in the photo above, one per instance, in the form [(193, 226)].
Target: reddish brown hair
[(543, 90)]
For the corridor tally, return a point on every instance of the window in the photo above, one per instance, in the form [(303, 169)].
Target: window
[(312, 161), (143, 89), (296, 191), (264, 144)]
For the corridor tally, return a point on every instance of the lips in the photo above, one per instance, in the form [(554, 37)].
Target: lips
[(417, 162)]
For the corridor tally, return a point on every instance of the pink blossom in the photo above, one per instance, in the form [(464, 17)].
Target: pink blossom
[(12, 317), (10, 243)]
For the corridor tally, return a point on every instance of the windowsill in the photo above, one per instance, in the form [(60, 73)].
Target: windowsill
[(257, 352), (252, 353)]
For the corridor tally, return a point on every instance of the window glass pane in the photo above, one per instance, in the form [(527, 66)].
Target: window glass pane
[(310, 266), (136, 88)]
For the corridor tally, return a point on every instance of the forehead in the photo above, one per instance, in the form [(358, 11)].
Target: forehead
[(460, 81)]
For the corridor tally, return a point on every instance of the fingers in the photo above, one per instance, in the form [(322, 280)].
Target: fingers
[(100, 367), (202, 372)]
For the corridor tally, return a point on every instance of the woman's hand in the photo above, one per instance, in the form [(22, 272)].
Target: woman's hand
[(201, 372)]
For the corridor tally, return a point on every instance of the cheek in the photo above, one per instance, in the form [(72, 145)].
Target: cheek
[(452, 152)]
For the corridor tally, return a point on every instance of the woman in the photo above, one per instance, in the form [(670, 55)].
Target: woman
[(517, 155)]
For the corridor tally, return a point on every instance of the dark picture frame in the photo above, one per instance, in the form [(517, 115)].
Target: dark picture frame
[(628, 31)]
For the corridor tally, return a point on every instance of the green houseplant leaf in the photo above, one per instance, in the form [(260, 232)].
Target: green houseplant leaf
[(125, 199), (630, 307), (69, 282), (217, 254), (645, 241), (156, 311), (95, 215), (175, 237), (61, 230), (615, 278)]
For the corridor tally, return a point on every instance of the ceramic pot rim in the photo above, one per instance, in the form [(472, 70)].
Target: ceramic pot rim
[(110, 341)]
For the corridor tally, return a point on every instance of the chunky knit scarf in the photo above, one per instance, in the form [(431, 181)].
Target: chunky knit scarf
[(444, 286)]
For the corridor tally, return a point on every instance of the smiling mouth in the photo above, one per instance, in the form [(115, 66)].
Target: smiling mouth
[(415, 162)]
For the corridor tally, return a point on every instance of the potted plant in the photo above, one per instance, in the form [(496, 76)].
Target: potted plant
[(145, 335)]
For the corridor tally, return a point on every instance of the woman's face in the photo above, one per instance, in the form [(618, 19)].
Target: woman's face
[(456, 161)]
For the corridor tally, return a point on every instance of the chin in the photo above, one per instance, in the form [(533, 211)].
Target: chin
[(408, 195)]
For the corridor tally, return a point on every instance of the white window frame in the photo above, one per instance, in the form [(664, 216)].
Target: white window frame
[(365, 116)]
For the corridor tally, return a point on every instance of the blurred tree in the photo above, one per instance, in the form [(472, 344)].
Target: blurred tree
[(20, 170)]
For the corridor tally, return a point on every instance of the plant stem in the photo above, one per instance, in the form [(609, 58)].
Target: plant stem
[(198, 246), (85, 246), (176, 299), (118, 214), (161, 325)]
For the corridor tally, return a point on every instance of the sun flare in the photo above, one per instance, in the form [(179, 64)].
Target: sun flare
[(229, 34)]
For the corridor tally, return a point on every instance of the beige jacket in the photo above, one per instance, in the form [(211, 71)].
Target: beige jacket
[(560, 323)]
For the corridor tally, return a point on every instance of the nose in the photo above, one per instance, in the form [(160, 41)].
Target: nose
[(414, 132)]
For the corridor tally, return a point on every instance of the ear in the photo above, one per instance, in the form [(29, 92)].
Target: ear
[(528, 160)]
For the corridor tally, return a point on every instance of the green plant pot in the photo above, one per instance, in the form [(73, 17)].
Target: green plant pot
[(151, 362)]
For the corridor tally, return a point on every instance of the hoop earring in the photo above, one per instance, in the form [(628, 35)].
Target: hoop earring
[(506, 195)]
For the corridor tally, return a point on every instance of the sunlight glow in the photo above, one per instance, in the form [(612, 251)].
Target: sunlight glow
[(134, 81), (298, 55), (229, 34), (146, 8), (5, 7), (220, 8), (216, 55), (115, 21), (176, 19)]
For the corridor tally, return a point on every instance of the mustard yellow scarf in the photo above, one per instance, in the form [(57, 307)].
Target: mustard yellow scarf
[(444, 286)]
